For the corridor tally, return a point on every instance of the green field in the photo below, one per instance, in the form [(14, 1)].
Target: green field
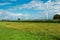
[(29, 31)]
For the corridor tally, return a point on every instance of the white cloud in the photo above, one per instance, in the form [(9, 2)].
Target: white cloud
[(57, 0), (58, 13), (9, 0), (36, 5), (4, 4), (32, 5), (53, 7), (9, 15)]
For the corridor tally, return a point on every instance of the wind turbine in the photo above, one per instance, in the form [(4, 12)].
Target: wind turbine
[(26, 15), (47, 10)]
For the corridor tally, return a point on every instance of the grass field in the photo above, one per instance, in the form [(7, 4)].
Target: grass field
[(29, 31)]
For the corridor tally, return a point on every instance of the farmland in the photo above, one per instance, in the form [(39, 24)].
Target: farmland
[(29, 31)]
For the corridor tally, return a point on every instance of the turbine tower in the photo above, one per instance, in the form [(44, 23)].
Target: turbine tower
[(26, 15), (47, 10)]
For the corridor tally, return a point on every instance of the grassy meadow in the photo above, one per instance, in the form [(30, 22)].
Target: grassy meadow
[(29, 31)]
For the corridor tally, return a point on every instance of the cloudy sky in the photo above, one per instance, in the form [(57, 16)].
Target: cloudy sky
[(29, 9)]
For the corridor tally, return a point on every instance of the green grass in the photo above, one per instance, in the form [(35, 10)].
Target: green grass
[(29, 31)]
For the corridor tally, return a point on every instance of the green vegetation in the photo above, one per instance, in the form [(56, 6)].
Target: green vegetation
[(29, 31), (39, 21)]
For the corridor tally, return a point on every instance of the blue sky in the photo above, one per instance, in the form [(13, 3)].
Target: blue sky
[(28, 9), (15, 3)]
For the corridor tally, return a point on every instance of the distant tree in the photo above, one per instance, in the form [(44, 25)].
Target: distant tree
[(18, 18), (57, 16)]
